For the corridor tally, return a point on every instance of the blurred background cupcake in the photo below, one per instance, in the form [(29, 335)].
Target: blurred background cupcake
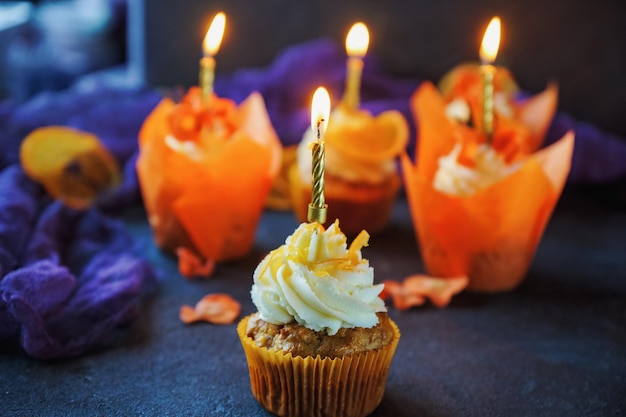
[(361, 179)]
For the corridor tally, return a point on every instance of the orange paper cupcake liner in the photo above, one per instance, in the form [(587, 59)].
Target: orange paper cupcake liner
[(209, 199), (490, 236), (349, 386)]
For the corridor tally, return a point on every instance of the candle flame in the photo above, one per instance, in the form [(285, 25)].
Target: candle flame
[(213, 37), (491, 42), (320, 111), (358, 40)]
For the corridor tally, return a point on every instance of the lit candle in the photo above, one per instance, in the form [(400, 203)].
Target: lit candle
[(320, 111), (211, 45), (488, 52), (357, 42)]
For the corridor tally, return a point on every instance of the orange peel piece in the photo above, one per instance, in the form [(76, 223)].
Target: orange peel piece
[(207, 193), (415, 289), (359, 135), (73, 166), (215, 308)]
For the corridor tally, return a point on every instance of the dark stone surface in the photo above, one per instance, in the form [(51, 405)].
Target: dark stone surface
[(555, 346)]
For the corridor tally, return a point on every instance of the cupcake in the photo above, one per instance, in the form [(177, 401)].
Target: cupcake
[(321, 343), (361, 178), (199, 198), (480, 206)]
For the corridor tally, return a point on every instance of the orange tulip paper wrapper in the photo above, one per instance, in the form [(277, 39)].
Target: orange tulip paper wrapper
[(205, 173), (491, 235)]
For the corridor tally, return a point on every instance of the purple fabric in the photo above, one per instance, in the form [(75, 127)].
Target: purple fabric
[(69, 278), (74, 276), (599, 157)]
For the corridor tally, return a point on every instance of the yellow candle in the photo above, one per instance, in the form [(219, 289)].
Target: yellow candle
[(211, 45), (488, 52), (357, 43), (320, 111)]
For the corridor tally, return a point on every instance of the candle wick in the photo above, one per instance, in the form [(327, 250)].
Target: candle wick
[(319, 128)]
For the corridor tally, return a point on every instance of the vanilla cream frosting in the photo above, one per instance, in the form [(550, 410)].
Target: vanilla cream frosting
[(455, 179), (187, 147), (459, 110), (317, 281)]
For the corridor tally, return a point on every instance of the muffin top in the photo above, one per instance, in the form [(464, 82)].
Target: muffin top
[(316, 281), (301, 341)]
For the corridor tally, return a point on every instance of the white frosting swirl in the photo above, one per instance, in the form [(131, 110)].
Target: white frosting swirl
[(317, 281), (455, 179)]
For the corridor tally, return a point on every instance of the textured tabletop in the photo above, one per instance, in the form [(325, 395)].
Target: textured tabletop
[(556, 346)]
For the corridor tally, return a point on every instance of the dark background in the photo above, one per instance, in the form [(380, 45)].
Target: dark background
[(581, 44)]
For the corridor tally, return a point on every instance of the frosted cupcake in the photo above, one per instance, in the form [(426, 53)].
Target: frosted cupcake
[(205, 170), (361, 177), (321, 342), (480, 208), (205, 167), (361, 152)]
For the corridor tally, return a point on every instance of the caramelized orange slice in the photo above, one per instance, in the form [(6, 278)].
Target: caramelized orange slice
[(73, 166), (359, 135)]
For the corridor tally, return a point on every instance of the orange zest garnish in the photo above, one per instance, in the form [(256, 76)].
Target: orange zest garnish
[(221, 116), (359, 242), (185, 121), (415, 289), (469, 146), (213, 308)]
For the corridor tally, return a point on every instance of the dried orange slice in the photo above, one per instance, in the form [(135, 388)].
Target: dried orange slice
[(359, 135), (72, 165)]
